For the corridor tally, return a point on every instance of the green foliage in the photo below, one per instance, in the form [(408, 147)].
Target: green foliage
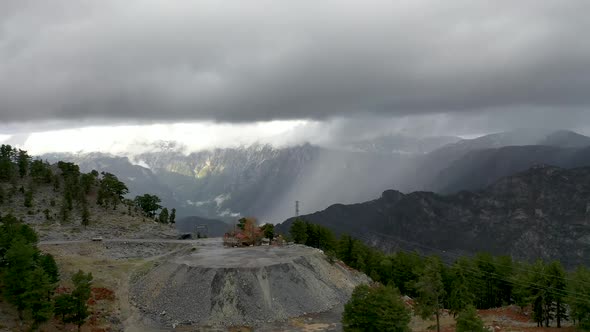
[(80, 295), (73, 307), (39, 286), (579, 297), (7, 167), (556, 288), (173, 216), (406, 269), (242, 223), (460, 296), (431, 290), (111, 190), (12, 229), (69, 170), (483, 281), (47, 262), (354, 253), (268, 230), (20, 259), (543, 287), (319, 237), (298, 231), (375, 308), (64, 307), (149, 204), (23, 160), (25, 284), (87, 181), (40, 171), (163, 217), (469, 321), (2, 195)]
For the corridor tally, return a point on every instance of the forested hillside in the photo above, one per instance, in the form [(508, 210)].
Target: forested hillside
[(552, 294), (60, 202)]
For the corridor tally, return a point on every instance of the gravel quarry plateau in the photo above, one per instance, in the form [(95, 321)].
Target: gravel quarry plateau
[(209, 285)]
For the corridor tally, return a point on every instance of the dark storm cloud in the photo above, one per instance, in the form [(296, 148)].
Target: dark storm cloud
[(259, 60)]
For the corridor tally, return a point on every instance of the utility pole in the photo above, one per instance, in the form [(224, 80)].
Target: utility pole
[(296, 208)]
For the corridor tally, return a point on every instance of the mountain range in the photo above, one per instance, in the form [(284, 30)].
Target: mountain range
[(543, 212), (265, 181)]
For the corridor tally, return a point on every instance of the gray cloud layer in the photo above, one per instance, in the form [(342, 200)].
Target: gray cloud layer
[(272, 59)]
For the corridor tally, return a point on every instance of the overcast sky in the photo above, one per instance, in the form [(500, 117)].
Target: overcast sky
[(294, 70)]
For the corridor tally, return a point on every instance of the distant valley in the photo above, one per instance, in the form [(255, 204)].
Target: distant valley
[(265, 181)]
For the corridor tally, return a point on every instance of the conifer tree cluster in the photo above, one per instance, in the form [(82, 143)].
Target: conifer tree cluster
[(482, 281), (150, 205), (29, 278), (75, 191)]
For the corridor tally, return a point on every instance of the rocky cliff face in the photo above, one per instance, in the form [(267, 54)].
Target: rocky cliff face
[(541, 213), (264, 181)]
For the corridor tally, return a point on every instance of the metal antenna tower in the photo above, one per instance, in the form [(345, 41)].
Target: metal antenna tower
[(296, 208)]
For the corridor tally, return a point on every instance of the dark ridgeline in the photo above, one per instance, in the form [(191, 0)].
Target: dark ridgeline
[(543, 212)]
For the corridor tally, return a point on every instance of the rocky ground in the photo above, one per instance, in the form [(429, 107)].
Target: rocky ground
[(162, 285), (253, 286)]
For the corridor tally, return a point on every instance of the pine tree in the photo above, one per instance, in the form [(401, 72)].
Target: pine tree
[(36, 296), (40, 171), (7, 169), (23, 161), (173, 216), (469, 321), (579, 297), (80, 295), (268, 230), (163, 217), (298, 231), (87, 181), (374, 309), (431, 291), (47, 262), (20, 261), (461, 296), (111, 190), (64, 307), (556, 290)]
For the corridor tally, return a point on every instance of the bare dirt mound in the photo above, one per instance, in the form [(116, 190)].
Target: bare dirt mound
[(242, 286)]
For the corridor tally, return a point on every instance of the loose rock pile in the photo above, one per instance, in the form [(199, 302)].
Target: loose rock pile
[(243, 286)]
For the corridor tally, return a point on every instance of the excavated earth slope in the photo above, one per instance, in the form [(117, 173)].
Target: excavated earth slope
[(242, 286)]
